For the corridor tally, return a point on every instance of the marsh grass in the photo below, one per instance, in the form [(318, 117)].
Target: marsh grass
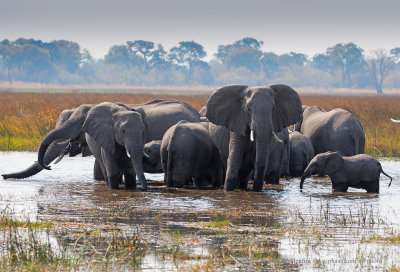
[(25, 118)]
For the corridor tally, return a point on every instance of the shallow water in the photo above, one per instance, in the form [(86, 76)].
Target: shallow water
[(334, 221)]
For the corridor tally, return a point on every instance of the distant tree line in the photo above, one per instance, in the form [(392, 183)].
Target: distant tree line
[(145, 63)]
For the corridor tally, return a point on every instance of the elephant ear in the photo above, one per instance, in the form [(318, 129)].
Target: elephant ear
[(334, 163), (225, 108), (288, 110), (99, 126), (145, 122)]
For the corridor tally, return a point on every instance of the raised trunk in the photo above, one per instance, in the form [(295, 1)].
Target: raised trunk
[(55, 150), (69, 130)]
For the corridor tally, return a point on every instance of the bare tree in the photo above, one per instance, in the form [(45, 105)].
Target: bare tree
[(379, 65)]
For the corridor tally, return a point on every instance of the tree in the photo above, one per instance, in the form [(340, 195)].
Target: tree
[(66, 54), (159, 58), (244, 57), (379, 66), (187, 53), (143, 49), (248, 42)]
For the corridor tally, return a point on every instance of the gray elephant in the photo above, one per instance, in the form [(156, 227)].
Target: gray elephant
[(188, 154), (360, 171), (278, 162), (115, 132), (246, 120), (152, 160), (58, 149), (160, 114), (335, 130), (301, 153)]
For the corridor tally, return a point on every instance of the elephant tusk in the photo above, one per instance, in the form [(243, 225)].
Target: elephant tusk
[(277, 138), (395, 121), (252, 135), (59, 158), (146, 156), (127, 153)]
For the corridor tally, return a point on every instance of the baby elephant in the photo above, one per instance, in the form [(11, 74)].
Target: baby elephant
[(152, 162), (301, 153), (188, 154), (359, 171)]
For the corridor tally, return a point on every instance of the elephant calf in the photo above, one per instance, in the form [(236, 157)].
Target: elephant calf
[(152, 162), (359, 171), (301, 153), (188, 154)]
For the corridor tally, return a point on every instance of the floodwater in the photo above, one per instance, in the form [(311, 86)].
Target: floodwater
[(314, 229)]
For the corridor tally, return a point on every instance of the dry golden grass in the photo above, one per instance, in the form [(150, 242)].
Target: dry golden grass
[(26, 117)]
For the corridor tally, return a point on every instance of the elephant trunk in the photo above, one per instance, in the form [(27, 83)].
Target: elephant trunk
[(55, 149), (263, 138), (69, 130), (303, 177), (135, 152)]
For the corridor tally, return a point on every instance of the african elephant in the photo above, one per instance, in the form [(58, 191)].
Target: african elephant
[(335, 130), (246, 120), (188, 154), (301, 153), (161, 114), (359, 171), (278, 162), (115, 132), (152, 162), (58, 148)]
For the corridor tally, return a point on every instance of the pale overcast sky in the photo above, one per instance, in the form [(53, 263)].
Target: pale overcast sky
[(303, 26)]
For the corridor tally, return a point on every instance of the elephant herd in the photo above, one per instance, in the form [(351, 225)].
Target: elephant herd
[(240, 135)]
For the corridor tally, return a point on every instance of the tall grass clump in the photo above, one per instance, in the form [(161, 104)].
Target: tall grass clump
[(25, 118)]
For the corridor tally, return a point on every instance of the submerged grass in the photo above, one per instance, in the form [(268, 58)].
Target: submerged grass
[(25, 118)]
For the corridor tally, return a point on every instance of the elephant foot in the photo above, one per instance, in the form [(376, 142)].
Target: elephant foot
[(257, 186), (130, 182), (230, 185), (114, 181)]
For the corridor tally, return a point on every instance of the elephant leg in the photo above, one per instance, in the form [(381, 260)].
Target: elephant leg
[(97, 171), (113, 170), (244, 176), (340, 187), (234, 161), (130, 179), (114, 181), (373, 187)]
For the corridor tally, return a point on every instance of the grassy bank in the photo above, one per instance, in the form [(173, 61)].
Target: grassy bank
[(25, 118)]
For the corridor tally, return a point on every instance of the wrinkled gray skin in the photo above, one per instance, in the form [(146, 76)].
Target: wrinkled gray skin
[(58, 148), (235, 111), (335, 130), (360, 171), (278, 162), (160, 114), (301, 153), (189, 155), (152, 162), (114, 131)]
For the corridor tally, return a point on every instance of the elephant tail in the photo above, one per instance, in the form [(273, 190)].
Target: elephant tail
[(381, 171)]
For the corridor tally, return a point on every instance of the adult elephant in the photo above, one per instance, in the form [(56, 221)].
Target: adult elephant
[(160, 114), (115, 132), (246, 120), (335, 130), (58, 148)]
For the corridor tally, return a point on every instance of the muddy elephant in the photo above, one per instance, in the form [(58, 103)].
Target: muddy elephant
[(188, 155), (278, 162), (161, 114), (335, 130), (301, 153), (58, 148), (152, 160), (360, 171), (245, 122)]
